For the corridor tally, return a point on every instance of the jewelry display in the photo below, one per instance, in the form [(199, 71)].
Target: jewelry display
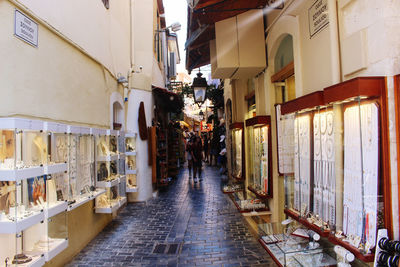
[(131, 162), (324, 167), (302, 162), (232, 188), (360, 174), (131, 180), (102, 172), (237, 152), (286, 145), (21, 259), (251, 204)]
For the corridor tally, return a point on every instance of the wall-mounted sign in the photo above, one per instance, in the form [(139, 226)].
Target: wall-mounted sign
[(318, 16), (25, 28)]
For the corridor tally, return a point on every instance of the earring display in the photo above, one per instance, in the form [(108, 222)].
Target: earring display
[(324, 167), (237, 145), (260, 180), (361, 150), (285, 140), (302, 170), (341, 176)]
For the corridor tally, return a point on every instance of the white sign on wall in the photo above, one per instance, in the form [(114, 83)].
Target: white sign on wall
[(25, 28), (318, 16)]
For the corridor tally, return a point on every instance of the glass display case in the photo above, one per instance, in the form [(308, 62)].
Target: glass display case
[(23, 149), (245, 205), (18, 252), (106, 157), (290, 244), (110, 201), (106, 144), (130, 164), (48, 238), (81, 167), (130, 143), (338, 137), (57, 142), (131, 183), (259, 139), (238, 148)]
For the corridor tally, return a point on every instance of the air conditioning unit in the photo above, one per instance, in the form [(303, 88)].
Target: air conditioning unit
[(172, 65)]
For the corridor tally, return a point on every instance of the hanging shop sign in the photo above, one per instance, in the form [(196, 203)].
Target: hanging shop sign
[(205, 127), (25, 28), (318, 16)]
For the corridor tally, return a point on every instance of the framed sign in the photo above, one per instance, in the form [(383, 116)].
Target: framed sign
[(25, 28), (318, 16)]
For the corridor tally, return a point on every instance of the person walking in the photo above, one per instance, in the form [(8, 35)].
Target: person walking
[(189, 157), (205, 146), (197, 156)]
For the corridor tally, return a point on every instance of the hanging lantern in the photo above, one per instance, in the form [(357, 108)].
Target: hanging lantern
[(199, 86)]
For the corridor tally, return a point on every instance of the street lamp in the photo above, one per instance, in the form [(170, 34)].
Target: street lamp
[(199, 89)]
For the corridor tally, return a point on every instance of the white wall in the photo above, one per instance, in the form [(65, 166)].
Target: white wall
[(53, 81), (104, 34), (144, 175)]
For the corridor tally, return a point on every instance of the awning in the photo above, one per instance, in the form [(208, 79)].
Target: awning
[(201, 28), (166, 100)]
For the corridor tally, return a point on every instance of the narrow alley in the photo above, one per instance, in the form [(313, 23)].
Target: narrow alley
[(197, 217)]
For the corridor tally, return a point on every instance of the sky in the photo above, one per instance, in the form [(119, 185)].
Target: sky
[(176, 11)]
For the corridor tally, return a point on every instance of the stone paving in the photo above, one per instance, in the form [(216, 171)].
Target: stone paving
[(198, 217)]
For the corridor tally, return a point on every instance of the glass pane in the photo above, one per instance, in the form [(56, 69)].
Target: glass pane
[(7, 149)]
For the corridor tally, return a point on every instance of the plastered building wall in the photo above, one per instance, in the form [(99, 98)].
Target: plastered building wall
[(103, 33), (45, 81)]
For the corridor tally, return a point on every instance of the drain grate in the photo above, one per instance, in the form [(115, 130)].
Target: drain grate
[(171, 248)]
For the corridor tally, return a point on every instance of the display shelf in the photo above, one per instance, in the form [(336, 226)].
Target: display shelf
[(84, 199), (132, 153), (21, 174), (315, 228), (357, 253), (114, 206), (13, 227), (107, 158), (122, 201), (79, 202), (55, 208), (55, 168), (245, 210), (258, 194), (57, 246), (131, 189), (108, 184), (37, 261), (131, 171), (303, 103)]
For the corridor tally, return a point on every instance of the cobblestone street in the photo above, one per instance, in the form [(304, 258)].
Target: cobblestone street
[(203, 223)]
